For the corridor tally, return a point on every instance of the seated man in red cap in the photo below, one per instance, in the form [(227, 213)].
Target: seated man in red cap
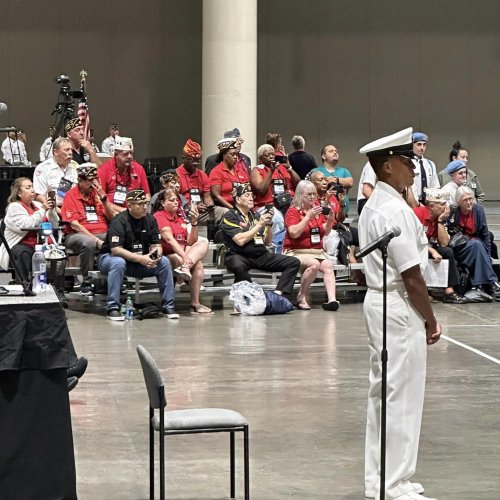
[(194, 184), (122, 174), (88, 211)]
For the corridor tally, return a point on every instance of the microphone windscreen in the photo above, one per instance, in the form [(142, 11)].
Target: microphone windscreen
[(3, 107)]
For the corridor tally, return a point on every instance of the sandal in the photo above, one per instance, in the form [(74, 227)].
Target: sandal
[(303, 305), (183, 272), (200, 309)]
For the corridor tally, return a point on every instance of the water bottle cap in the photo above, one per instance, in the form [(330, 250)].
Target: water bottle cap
[(38, 248)]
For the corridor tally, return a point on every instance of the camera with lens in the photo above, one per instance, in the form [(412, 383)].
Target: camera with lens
[(336, 187), (62, 79)]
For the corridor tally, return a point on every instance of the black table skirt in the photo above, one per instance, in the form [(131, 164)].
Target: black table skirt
[(36, 451)]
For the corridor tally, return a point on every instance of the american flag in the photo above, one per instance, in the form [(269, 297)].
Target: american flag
[(83, 114)]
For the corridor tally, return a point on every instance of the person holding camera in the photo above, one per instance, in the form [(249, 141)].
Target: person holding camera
[(247, 235), (181, 244), (307, 223), (330, 195), (23, 211), (273, 182), (133, 247)]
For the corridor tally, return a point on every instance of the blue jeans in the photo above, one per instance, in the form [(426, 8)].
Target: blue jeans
[(117, 267)]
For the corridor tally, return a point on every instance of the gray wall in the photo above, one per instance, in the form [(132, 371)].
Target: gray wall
[(336, 71), (346, 72), (143, 60)]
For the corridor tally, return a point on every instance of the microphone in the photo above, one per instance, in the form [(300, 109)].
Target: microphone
[(3, 107), (381, 240)]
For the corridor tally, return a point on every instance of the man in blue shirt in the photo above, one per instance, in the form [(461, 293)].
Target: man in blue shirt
[(334, 173)]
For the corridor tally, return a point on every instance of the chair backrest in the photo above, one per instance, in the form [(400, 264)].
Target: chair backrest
[(153, 379)]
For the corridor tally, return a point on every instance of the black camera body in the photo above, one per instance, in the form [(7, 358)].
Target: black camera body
[(325, 210), (336, 187)]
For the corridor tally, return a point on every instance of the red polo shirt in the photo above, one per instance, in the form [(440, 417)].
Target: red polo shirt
[(294, 216), (84, 210), (133, 178), (221, 176), (281, 181), (176, 224), (197, 180), (430, 226)]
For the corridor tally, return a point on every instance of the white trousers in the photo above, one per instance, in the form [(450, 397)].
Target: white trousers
[(406, 368)]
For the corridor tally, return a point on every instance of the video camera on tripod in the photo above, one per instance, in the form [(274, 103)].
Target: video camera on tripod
[(65, 106)]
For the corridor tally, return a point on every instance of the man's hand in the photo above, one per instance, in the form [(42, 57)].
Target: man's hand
[(86, 145), (96, 184), (266, 219), (433, 332), (147, 261), (435, 256)]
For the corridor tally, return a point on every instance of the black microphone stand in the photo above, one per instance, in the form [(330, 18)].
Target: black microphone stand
[(385, 357)]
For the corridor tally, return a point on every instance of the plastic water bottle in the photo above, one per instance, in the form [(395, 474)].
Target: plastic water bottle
[(39, 269), (129, 309)]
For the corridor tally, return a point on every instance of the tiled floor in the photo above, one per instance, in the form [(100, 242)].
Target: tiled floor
[(301, 380)]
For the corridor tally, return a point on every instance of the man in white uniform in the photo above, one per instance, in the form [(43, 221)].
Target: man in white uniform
[(14, 150), (410, 319), (366, 185), (56, 174), (425, 171), (108, 145)]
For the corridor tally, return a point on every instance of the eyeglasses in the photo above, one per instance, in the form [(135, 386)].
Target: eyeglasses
[(311, 195)]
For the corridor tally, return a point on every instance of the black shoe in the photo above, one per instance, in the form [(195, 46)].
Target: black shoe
[(170, 313), (330, 306), (454, 298), (87, 289), (78, 369), (72, 383), (115, 315)]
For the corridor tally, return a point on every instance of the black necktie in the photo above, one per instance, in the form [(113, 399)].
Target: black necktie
[(423, 176)]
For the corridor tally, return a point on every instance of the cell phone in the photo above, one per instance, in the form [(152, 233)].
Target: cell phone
[(336, 187), (268, 208), (154, 255), (51, 195), (281, 158), (325, 210)]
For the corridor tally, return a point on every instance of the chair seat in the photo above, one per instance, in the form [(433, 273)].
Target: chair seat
[(198, 419)]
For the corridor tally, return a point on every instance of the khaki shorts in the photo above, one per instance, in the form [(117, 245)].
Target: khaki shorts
[(303, 253)]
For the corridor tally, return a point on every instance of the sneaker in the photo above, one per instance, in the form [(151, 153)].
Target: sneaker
[(454, 298), (417, 488), (78, 369), (170, 313), (76, 284), (87, 289), (115, 315), (183, 272)]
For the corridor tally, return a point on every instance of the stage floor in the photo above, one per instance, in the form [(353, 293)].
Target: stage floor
[(301, 380)]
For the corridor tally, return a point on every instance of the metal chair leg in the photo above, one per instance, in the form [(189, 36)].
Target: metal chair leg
[(232, 464), (162, 455), (151, 455), (247, 462)]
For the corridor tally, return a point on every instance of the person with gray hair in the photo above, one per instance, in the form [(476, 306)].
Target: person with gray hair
[(57, 174), (273, 184), (471, 243), (301, 161)]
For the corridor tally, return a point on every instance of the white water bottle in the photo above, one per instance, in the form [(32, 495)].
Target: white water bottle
[(39, 269)]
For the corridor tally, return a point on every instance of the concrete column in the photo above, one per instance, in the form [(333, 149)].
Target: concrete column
[(229, 73)]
